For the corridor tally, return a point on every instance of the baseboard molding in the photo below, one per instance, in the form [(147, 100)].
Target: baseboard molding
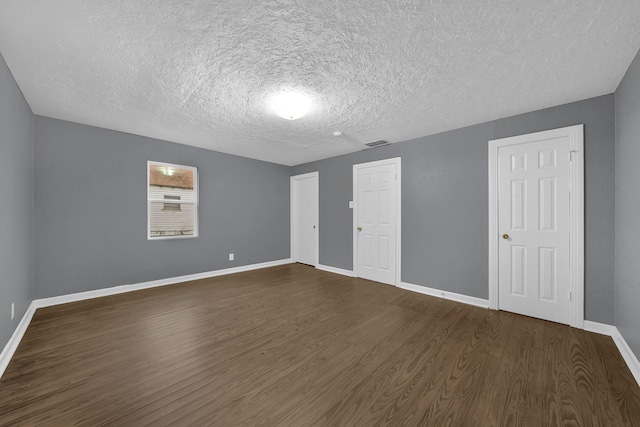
[(12, 345), (335, 270), (600, 328), (626, 352), (465, 299), (64, 299), (14, 341), (628, 355)]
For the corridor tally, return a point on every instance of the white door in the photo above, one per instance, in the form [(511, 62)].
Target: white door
[(377, 219), (304, 218), (534, 225)]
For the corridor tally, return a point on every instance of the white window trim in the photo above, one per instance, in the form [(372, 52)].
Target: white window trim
[(194, 202)]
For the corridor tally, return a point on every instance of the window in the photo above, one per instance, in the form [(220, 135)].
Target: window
[(172, 201), (171, 206)]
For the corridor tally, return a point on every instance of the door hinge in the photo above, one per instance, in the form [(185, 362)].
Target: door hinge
[(570, 296), (571, 154)]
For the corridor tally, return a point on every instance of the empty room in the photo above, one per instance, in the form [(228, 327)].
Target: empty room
[(319, 213)]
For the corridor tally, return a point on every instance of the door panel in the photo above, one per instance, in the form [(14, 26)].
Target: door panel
[(518, 205), (518, 270), (546, 203), (376, 210), (533, 210), (304, 219), (384, 245), (547, 274)]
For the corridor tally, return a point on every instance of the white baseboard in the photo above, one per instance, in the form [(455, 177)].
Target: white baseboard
[(12, 345), (626, 352), (627, 355), (63, 299), (600, 328), (335, 270), (14, 341), (479, 302)]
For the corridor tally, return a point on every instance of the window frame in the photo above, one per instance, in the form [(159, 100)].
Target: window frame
[(194, 202)]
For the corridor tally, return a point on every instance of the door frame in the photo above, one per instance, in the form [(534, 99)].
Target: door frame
[(398, 162), (576, 215), (293, 219)]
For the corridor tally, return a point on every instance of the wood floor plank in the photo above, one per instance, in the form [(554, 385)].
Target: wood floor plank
[(521, 367), (450, 377), (308, 380), (293, 354), (292, 345), (401, 369), (474, 374)]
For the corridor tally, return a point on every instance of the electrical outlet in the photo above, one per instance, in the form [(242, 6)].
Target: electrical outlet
[(231, 257), (13, 310)]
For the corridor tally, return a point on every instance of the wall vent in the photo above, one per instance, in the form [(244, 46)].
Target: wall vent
[(378, 143)]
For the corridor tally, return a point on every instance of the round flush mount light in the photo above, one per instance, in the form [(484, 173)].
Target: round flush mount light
[(290, 104)]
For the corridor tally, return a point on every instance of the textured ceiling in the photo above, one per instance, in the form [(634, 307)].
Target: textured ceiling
[(200, 72)]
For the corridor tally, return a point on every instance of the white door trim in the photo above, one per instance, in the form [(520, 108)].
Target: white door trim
[(576, 219), (398, 162), (292, 210)]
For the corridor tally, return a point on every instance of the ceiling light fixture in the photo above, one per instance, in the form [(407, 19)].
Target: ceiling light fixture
[(291, 105)]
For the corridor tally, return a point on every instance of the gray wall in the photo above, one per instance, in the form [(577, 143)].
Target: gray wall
[(91, 214), (16, 193), (628, 206), (445, 202)]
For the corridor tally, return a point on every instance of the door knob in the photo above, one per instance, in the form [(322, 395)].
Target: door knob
[(359, 228), (505, 236), (314, 227)]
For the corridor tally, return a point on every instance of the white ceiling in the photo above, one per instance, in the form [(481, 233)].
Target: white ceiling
[(198, 72)]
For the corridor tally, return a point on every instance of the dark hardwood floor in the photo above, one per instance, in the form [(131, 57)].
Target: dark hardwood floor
[(294, 346)]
